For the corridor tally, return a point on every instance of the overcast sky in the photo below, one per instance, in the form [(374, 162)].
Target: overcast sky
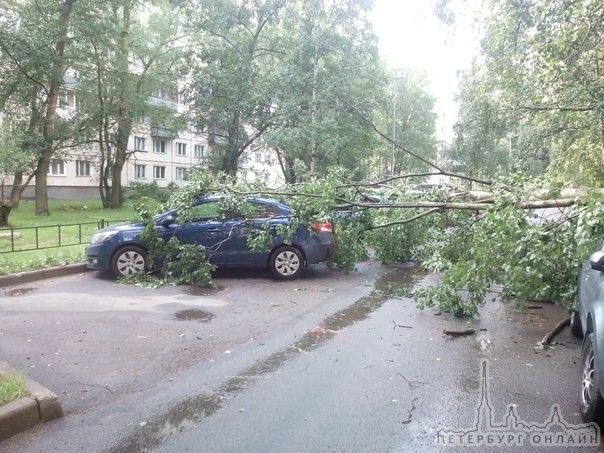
[(410, 35)]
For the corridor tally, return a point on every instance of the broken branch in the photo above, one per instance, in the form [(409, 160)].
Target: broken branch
[(459, 333), (547, 340)]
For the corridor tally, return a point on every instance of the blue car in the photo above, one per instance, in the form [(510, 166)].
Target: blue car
[(120, 249), (588, 321)]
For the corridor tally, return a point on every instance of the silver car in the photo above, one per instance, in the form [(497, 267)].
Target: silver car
[(588, 321)]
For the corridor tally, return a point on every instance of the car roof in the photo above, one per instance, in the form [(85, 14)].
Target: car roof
[(280, 206)]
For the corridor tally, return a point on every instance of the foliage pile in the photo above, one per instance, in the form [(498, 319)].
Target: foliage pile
[(500, 246)]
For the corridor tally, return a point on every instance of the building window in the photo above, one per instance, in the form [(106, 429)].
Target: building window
[(159, 172), (139, 171), (159, 146), (56, 167), (200, 151), (259, 157), (82, 168), (67, 100), (140, 117), (181, 173), (181, 149), (139, 143)]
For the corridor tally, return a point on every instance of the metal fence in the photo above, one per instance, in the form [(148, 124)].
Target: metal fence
[(23, 239)]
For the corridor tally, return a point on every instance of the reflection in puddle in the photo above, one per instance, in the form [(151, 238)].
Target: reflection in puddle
[(17, 291), (484, 339), (194, 314), (202, 290), (188, 412)]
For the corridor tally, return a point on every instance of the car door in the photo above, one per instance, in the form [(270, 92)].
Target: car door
[(239, 230), (589, 286), (202, 226)]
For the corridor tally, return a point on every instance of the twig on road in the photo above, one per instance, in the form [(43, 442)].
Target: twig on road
[(410, 410), (459, 333), (547, 340), (400, 325)]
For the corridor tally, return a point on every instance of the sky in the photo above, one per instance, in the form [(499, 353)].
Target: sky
[(411, 36)]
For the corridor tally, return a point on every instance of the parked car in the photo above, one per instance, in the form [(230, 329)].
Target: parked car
[(120, 249), (588, 321), (353, 213)]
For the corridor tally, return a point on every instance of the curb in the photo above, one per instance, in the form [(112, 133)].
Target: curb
[(40, 406), (32, 276)]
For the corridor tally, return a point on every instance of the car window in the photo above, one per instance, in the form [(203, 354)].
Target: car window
[(262, 211), (204, 211)]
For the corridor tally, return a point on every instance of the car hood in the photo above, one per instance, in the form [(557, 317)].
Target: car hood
[(136, 226)]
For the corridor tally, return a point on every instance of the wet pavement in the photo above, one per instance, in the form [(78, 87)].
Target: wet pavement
[(328, 363)]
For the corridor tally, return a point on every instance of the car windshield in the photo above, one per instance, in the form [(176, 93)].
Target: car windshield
[(215, 209)]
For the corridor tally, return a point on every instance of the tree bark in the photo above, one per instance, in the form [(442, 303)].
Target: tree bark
[(124, 121), (50, 121), (18, 188), (5, 209)]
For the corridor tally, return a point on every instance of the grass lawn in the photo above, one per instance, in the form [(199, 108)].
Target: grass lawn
[(55, 239), (12, 388)]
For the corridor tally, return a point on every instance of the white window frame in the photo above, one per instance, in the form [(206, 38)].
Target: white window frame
[(181, 149), (159, 172), (140, 143), (83, 165), (67, 100), (199, 151), (163, 148), (139, 171), (180, 173), (56, 167)]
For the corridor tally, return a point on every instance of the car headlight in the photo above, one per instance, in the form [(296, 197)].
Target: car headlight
[(102, 236)]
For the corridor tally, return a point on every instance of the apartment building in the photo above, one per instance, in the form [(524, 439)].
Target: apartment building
[(155, 154)]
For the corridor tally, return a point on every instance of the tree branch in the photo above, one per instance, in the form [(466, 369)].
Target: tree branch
[(411, 153), (403, 221)]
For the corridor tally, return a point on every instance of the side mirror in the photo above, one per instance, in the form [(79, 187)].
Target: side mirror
[(597, 261), (168, 220)]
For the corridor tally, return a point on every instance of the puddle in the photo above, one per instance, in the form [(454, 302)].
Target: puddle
[(13, 292), (193, 314), (189, 412), (202, 290)]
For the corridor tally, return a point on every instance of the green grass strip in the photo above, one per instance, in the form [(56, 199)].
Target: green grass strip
[(12, 387)]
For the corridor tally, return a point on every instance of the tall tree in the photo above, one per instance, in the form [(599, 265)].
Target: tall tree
[(329, 62), (34, 45), (542, 61), (128, 73), (57, 71), (232, 73), (413, 122)]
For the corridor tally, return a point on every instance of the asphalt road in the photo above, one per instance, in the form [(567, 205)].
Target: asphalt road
[(326, 363)]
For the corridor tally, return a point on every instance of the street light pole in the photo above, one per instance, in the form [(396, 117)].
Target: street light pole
[(393, 126), (394, 80)]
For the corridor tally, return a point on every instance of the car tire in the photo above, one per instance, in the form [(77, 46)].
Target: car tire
[(591, 404), (286, 263), (575, 325), (128, 261)]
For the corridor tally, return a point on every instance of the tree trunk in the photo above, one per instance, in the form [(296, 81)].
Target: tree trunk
[(56, 81), (123, 132), (124, 122), (5, 209), (18, 188)]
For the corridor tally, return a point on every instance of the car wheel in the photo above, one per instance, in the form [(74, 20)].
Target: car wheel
[(286, 263), (591, 403), (575, 325), (128, 261)]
